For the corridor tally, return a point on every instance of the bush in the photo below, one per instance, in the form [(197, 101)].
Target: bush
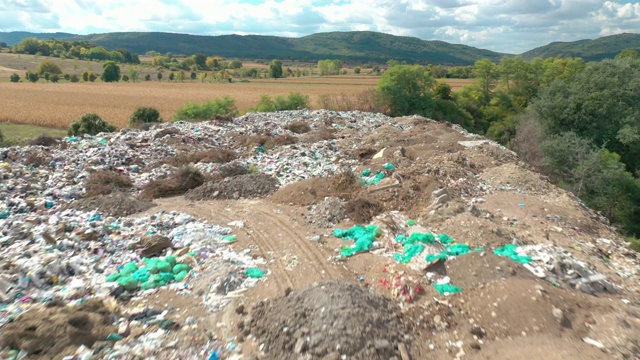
[(125, 78), (298, 127), (178, 183), (92, 77), (110, 72), (445, 110), (147, 77), (14, 77), (54, 78), (67, 77), (367, 101), (44, 140), (91, 124), (406, 90), (1, 139), (144, 115), (106, 182), (85, 76), (48, 66), (32, 76), (294, 101), (74, 78), (207, 111)]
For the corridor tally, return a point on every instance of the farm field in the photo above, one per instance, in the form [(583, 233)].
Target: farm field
[(57, 105)]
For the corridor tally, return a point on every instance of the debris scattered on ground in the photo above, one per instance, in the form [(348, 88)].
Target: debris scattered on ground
[(236, 187)]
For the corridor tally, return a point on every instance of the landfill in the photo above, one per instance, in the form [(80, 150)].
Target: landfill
[(444, 237)]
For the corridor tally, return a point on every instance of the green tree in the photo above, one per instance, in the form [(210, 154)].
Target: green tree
[(54, 78), (235, 64), (14, 78), (85, 76), (159, 76), (48, 66), (134, 75), (200, 60), (91, 124), (628, 53), (125, 78), (147, 77), (406, 90), (486, 75), (203, 75), (193, 75), (110, 72), (275, 69), (180, 76), (32, 76), (356, 70), (144, 115), (92, 77), (74, 78), (442, 91), (172, 76)]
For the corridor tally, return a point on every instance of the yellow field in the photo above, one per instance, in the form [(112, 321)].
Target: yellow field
[(57, 105)]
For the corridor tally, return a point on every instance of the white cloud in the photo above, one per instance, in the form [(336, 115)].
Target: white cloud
[(501, 25)]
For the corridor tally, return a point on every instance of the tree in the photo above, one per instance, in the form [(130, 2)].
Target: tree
[(203, 75), (172, 76), (134, 75), (144, 115), (180, 76), (200, 60), (85, 76), (91, 124), (48, 66), (406, 90), (14, 77), (235, 64), (74, 78), (54, 78), (147, 77), (486, 75), (442, 91), (159, 76), (356, 70), (110, 72), (329, 67), (628, 53), (32, 76), (275, 69), (93, 77), (125, 78), (193, 75)]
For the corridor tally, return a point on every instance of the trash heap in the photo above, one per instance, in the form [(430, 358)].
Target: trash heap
[(559, 267)]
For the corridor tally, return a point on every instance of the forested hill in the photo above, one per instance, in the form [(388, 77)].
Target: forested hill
[(360, 46), (589, 50)]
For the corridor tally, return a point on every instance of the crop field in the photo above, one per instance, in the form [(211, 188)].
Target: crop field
[(57, 105)]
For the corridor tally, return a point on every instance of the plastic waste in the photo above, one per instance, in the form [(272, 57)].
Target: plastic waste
[(254, 273), (509, 251), (364, 238), (447, 288), (410, 251)]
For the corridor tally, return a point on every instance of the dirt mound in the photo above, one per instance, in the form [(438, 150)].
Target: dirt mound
[(105, 182), (329, 320), (57, 330), (311, 191), (480, 268), (512, 177), (327, 213), (232, 169), (362, 209), (243, 186), (116, 204)]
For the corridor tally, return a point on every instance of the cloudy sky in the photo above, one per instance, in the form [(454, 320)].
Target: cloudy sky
[(512, 26)]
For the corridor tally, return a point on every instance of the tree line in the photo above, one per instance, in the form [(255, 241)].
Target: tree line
[(82, 50)]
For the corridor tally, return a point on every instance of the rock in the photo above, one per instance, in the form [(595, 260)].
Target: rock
[(381, 344), (301, 345), (477, 331), (558, 314)]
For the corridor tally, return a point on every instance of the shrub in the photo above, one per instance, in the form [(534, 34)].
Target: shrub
[(367, 101), (85, 76), (14, 77), (294, 101), (298, 127), (406, 90), (110, 72), (106, 182), (67, 77), (147, 77), (44, 140), (92, 77), (179, 182), (445, 110), (54, 78), (208, 110), (219, 156), (48, 66), (144, 115), (74, 78), (125, 78), (91, 124), (1, 139), (32, 76)]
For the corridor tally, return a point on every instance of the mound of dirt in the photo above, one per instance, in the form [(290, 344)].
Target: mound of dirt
[(329, 320), (243, 186), (513, 177), (362, 209), (478, 269), (57, 330), (327, 213), (311, 191), (116, 204), (232, 169)]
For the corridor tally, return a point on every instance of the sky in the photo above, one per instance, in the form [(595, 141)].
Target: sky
[(510, 26)]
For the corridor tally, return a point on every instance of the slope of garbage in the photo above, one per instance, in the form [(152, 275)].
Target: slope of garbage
[(303, 235)]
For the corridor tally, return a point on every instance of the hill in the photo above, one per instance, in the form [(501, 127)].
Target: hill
[(356, 46), (589, 50), (14, 37)]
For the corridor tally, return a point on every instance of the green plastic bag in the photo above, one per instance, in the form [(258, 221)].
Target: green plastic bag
[(389, 166), (509, 251), (171, 259), (164, 266), (432, 257), (181, 275), (423, 238), (113, 277), (254, 273), (457, 249), (410, 222), (178, 268), (409, 252), (366, 172), (446, 288), (445, 239)]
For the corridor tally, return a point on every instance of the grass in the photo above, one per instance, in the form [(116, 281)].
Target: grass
[(20, 133)]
